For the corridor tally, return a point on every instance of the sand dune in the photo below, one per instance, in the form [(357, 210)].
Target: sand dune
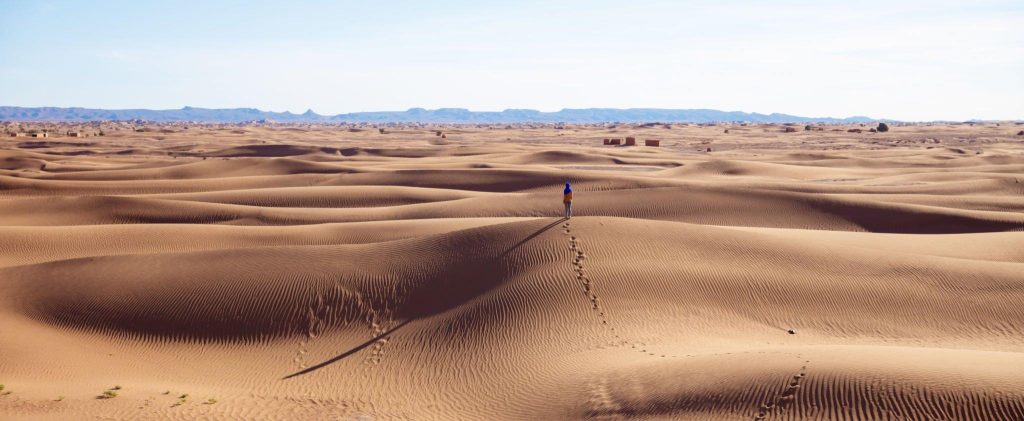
[(320, 275)]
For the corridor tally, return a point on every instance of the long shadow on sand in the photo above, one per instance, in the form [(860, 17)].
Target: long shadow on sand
[(349, 352), (531, 236), (366, 344)]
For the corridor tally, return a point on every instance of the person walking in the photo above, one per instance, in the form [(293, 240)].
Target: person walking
[(567, 200)]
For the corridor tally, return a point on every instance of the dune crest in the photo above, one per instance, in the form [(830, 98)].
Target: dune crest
[(325, 272)]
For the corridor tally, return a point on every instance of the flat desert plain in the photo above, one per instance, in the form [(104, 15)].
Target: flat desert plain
[(314, 272)]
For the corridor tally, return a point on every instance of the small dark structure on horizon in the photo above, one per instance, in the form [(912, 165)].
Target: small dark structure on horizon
[(630, 141), (614, 141), (652, 142)]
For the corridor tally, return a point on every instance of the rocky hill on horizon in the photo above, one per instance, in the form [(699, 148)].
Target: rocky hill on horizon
[(414, 115)]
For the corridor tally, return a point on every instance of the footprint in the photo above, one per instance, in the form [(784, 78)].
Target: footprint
[(787, 396)]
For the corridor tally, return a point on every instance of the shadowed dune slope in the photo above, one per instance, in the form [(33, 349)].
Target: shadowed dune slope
[(316, 274)]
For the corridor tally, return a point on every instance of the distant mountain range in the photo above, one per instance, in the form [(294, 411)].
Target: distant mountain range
[(414, 115)]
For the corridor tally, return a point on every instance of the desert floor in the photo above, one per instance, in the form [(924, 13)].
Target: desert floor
[(331, 273)]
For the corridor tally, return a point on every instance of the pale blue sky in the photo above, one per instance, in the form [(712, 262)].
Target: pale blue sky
[(912, 60)]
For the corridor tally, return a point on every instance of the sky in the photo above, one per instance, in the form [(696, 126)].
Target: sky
[(905, 60)]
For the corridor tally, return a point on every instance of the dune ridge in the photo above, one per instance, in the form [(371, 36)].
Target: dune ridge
[(245, 272)]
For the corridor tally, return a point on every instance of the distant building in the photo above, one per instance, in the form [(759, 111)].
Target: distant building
[(75, 134), (652, 142), (43, 134)]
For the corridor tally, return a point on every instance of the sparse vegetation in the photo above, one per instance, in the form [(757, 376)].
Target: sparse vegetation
[(882, 127), (210, 401), (109, 393), (59, 398), (181, 400)]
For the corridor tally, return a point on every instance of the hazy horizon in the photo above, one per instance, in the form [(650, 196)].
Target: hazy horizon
[(902, 60)]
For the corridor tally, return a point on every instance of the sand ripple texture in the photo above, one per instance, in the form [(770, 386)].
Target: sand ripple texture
[(312, 273)]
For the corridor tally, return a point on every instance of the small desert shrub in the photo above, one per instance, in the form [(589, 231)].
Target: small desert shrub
[(210, 401), (882, 127), (109, 393), (181, 400)]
